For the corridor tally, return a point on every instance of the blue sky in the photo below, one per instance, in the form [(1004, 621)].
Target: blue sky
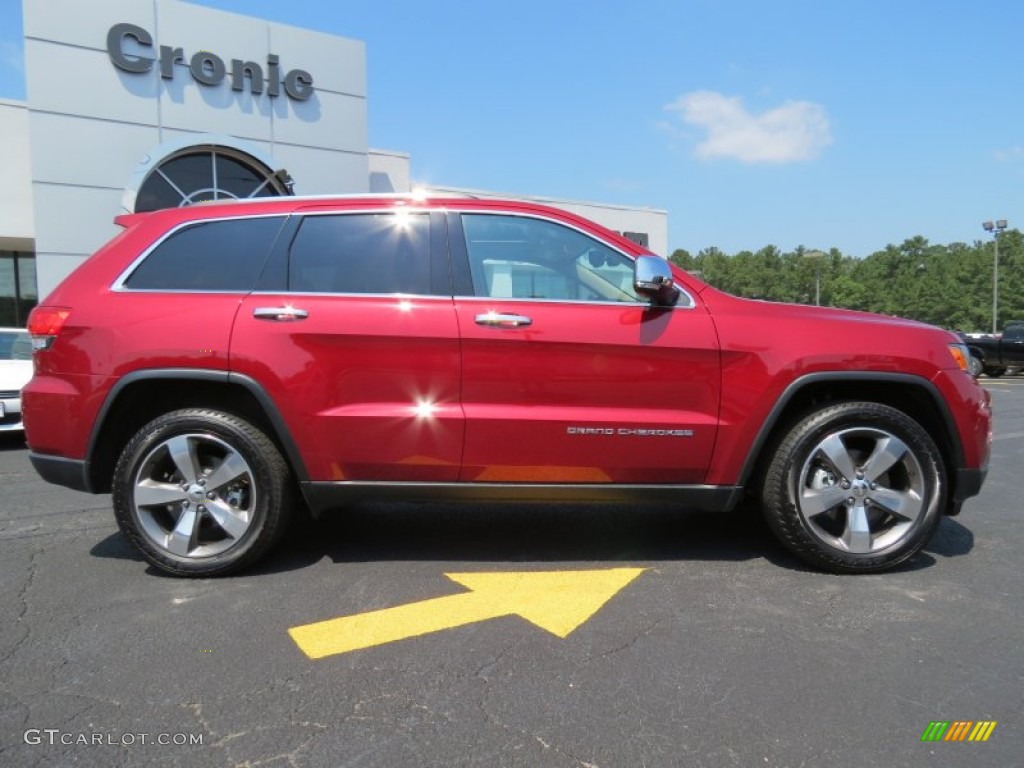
[(793, 122)]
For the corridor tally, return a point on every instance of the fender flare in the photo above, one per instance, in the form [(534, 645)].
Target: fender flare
[(794, 388), (281, 432)]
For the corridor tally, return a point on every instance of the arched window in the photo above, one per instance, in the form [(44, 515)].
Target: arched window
[(198, 174)]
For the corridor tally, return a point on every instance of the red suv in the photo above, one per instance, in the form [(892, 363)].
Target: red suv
[(213, 367)]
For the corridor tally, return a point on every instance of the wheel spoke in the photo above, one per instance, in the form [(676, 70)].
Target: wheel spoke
[(814, 501), (182, 451), (888, 450), (228, 519), (857, 534), (231, 468), (836, 454), (150, 493), (906, 504), (182, 539)]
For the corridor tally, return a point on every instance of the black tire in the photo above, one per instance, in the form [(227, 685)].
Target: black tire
[(975, 366), (201, 493), (835, 508), (994, 373)]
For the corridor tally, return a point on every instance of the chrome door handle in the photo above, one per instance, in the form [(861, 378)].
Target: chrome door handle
[(280, 313), (497, 320)]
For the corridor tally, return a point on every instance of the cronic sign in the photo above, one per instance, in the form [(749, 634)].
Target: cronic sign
[(207, 68)]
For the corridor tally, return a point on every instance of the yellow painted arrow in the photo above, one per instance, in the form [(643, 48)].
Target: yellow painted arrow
[(558, 601)]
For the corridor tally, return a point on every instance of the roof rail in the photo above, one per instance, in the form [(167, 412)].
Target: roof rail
[(421, 195)]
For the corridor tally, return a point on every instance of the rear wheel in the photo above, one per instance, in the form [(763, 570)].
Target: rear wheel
[(201, 492), (855, 487), (995, 373)]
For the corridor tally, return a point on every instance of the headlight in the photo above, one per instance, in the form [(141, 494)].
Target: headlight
[(961, 355)]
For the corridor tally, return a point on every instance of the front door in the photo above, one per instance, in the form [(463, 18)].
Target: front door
[(568, 376)]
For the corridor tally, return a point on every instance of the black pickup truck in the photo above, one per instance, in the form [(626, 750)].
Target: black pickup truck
[(993, 355)]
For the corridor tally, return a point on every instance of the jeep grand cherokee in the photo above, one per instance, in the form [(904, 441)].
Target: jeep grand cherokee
[(213, 367)]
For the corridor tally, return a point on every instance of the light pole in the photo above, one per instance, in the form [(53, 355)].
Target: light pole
[(817, 256), (995, 228)]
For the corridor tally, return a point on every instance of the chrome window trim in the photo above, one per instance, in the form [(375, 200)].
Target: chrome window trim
[(620, 304), (400, 296), (118, 285)]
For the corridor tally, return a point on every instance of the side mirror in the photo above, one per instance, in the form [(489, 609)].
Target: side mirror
[(652, 277)]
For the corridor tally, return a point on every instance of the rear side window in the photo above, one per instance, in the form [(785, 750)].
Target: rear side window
[(208, 256), (379, 253)]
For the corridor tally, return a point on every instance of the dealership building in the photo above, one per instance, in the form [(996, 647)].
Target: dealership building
[(135, 105)]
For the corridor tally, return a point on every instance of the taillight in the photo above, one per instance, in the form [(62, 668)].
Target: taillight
[(45, 324)]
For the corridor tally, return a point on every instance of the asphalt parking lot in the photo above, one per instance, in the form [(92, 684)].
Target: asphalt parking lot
[(719, 650)]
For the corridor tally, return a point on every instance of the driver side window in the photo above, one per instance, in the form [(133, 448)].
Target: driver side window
[(518, 257)]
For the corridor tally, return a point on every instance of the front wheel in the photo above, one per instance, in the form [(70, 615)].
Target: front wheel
[(975, 366), (201, 492), (855, 487)]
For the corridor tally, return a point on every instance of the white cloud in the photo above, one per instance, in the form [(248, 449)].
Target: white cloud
[(1009, 155), (794, 131)]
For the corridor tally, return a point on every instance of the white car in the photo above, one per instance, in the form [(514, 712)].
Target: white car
[(15, 371)]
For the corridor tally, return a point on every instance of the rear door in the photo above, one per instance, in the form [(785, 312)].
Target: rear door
[(567, 376), (353, 334)]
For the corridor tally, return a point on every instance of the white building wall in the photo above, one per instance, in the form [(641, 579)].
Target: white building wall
[(389, 171), (17, 229), (93, 125), (74, 154)]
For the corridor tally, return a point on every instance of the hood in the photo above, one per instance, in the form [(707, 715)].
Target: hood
[(871, 322)]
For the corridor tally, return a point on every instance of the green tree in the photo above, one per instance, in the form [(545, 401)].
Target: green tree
[(945, 285)]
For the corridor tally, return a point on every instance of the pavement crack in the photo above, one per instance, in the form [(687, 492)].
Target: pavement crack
[(484, 670), (566, 754), (225, 742), (545, 745), (22, 599), (642, 633)]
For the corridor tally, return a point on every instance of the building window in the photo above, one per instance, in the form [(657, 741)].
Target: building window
[(640, 238), (17, 287), (200, 174)]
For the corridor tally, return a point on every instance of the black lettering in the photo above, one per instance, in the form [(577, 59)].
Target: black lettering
[(240, 70), (273, 75), (299, 84), (115, 47), (168, 58), (207, 68)]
